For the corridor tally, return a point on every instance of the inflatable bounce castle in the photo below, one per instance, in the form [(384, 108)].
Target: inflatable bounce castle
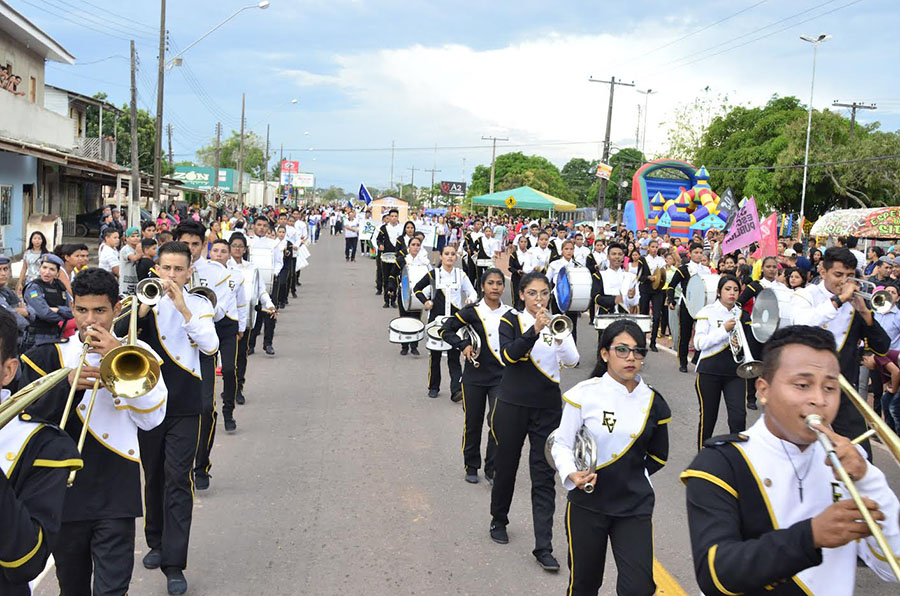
[(676, 205)]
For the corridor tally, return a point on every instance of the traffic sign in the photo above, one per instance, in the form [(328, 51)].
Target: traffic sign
[(510, 202)]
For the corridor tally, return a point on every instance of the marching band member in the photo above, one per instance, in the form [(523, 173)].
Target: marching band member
[(258, 300), (450, 288), (581, 251), (231, 328), (832, 305), (409, 231), (528, 404), (481, 378), (389, 241), (556, 244), (259, 242), (652, 267), (379, 278), (717, 370), (566, 260), (487, 248), (518, 261), (766, 515), (685, 321), (178, 328), (412, 255), (746, 301), (470, 244), (615, 287), (628, 422), (540, 255), (101, 506), (596, 262), (37, 459)]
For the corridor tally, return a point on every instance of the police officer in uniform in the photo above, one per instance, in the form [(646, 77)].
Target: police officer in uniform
[(46, 296), (102, 504), (10, 301), (35, 460)]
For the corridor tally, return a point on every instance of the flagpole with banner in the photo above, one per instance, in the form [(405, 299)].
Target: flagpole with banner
[(745, 229)]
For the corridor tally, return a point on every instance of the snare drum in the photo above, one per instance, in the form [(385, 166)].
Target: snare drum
[(389, 257), (409, 277), (572, 289), (645, 322), (433, 339), (484, 262), (404, 330)]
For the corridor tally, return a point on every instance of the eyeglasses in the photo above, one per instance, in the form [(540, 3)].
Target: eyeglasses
[(623, 351), (536, 294)]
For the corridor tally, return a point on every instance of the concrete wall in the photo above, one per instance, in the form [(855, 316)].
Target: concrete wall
[(26, 64), (33, 123), (16, 170)]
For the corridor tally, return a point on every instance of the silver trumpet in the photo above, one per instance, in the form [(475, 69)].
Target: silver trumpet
[(882, 301), (468, 333), (748, 366), (207, 293), (560, 327)]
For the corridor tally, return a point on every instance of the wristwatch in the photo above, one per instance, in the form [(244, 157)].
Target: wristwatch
[(837, 301)]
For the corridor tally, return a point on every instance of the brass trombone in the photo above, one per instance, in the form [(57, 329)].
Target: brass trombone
[(27, 395), (893, 444)]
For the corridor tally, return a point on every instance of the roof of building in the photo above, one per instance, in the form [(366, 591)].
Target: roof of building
[(87, 99), (30, 35)]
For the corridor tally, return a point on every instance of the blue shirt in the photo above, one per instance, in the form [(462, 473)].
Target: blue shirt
[(890, 322)]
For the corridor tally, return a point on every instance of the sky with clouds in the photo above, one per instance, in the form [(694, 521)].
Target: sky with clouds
[(440, 74)]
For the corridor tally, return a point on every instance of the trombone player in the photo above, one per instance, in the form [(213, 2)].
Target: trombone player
[(766, 512), (102, 504), (834, 305)]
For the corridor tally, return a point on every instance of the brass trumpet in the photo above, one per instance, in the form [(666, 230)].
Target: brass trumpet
[(27, 395), (748, 366), (826, 443), (560, 327), (882, 301)]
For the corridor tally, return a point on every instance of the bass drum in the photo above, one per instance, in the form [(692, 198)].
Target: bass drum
[(409, 277), (645, 322), (572, 289), (433, 339), (404, 330), (700, 291), (264, 259)]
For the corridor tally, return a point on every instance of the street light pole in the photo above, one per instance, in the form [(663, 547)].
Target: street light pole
[(646, 95), (157, 147), (176, 59), (812, 86)]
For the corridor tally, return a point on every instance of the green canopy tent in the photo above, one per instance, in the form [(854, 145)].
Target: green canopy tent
[(523, 197)]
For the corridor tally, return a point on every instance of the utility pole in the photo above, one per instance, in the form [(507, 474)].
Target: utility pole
[(853, 107), (240, 168), (266, 169), (169, 132), (134, 217), (601, 192), (431, 193), (157, 149), (637, 129), (493, 157), (218, 153), (646, 95), (392, 165), (412, 181)]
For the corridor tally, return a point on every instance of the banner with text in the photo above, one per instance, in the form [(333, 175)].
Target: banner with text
[(744, 230)]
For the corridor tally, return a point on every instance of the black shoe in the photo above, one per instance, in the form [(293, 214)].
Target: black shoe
[(432, 393), (293, 294), (456, 397), (547, 561), (653, 348), (683, 368), (239, 399), (404, 351), (489, 476), (751, 405), (250, 351), (386, 305), (201, 482), (352, 260), (269, 350), (175, 582), (471, 475), (498, 533), (378, 292), (393, 304), (346, 259), (230, 425), (414, 350), (152, 559)]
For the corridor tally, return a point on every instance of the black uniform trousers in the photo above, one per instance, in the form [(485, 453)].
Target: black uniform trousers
[(709, 388), (685, 329), (510, 425), (389, 276), (632, 545), (475, 397), (434, 370), (227, 330), (290, 284), (208, 414), (243, 345), (350, 245), (167, 455), (652, 298), (103, 548), (282, 284), (379, 280), (263, 319)]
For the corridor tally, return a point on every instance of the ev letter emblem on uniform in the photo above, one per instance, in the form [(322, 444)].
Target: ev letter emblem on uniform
[(609, 420)]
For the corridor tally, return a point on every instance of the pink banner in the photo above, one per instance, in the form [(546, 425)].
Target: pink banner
[(768, 245), (745, 229)]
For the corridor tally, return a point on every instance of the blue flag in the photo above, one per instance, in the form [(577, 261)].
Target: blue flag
[(364, 194), (349, 203)]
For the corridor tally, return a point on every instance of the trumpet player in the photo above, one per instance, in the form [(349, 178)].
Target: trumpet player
[(566, 260), (528, 405), (766, 513), (105, 499), (834, 305), (32, 481), (178, 328), (481, 378), (717, 376), (628, 421)]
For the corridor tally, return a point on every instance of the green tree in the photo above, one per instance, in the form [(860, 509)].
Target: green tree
[(579, 175), (512, 170), (254, 153), (690, 122), (146, 134)]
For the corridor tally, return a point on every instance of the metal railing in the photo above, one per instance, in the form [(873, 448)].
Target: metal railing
[(96, 148)]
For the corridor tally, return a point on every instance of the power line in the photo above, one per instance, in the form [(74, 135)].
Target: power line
[(81, 76), (100, 60), (131, 22), (812, 165), (75, 22), (87, 19), (447, 148)]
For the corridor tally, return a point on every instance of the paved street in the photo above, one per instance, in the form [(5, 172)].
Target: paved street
[(344, 478)]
